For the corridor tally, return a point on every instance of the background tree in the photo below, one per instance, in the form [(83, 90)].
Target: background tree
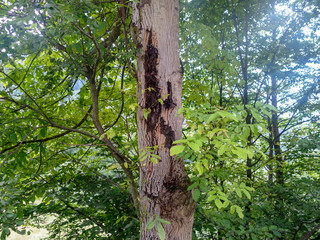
[(239, 55)]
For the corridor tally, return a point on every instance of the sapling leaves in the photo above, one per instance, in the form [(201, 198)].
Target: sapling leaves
[(196, 194), (152, 222), (157, 221), (176, 150), (161, 232)]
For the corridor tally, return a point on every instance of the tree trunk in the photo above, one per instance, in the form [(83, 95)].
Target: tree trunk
[(163, 186), (275, 132)]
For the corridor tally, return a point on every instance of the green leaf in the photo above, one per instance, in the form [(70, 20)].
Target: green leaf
[(225, 203), (205, 163), (239, 211), (154, 160), (102, 136), (239, 193), (3, 93), (111, 134), (254, 129), (114, 166), (203, 187), (43, 131), (20, 222), (250, 189), (276, 233), (13, 138), (242, 153), (273, 228), (246, 132), (180, 141), (246, 193), (155, 156), (180, 111), (141, 159), (199, 167), (21, 232), (193, 185), (176, 150), (196, 194), (232, 209), (151, 223), (5, 232), (200, 129), (133, 106), (164, 221), (222, 149), (200, 140), (218, 203), (146, 113), (211, 198), (161, 232), (194, 146), (228, 115), (271, 107), (255, 113), (212, 117)]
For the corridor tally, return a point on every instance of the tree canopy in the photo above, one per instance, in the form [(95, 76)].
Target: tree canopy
[(70, 101)]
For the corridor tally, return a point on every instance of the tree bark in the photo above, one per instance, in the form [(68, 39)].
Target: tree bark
[(163, 186)]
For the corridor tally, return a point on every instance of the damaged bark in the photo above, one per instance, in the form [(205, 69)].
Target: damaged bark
[(163, 186)]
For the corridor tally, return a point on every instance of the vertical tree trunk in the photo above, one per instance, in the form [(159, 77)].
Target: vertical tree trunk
[(275, 132), (274, 101), (244, 67), (269, 166), (277, 150), (163, 186)]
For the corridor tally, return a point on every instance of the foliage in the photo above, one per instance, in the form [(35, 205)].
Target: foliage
[(52, 161), (243, 69)]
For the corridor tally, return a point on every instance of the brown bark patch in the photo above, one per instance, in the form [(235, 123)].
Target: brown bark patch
[(167, 131), (151, 88), (175, 198), (168, 103), (170, 184)]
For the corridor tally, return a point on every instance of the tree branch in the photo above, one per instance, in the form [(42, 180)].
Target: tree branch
[(19, 145), (309, 234), (52, 137), (26, 93)]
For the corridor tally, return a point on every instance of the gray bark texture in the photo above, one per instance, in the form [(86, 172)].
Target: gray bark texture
[(163, 186)]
